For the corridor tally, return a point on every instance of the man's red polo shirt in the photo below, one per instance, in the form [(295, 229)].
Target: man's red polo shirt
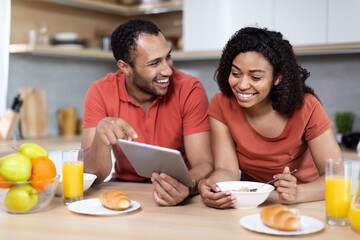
[(182, 111)]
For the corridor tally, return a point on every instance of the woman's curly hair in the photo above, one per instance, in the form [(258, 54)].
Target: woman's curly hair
[(286, 96), (123, 39)]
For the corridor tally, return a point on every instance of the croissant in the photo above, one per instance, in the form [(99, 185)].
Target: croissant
[(280, 217), (115, 200)]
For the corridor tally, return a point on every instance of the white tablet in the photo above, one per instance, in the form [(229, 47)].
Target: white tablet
[(147, 159)]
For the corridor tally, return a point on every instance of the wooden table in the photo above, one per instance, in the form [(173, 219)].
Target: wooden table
[(191, 220)]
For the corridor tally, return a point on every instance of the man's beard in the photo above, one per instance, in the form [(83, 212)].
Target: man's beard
[(144, 85)]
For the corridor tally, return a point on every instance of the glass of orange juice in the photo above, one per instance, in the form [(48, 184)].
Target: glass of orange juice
[(337, 191), (354, 211), (72, 175)]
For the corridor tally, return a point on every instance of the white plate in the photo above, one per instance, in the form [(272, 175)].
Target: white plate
[(307, 225), (93, 206)]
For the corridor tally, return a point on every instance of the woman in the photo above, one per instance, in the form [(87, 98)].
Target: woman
[(267, 122)]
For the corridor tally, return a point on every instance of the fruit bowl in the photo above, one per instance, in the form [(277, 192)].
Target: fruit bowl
[(247, 200), (88, 181), (27, 196)]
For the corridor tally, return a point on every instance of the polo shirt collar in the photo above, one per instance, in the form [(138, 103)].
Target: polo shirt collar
[(123, 94)]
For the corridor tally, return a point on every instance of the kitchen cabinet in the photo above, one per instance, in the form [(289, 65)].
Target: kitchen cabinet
[(312, 27), (205, 32), (301, 22), (124, 10), (344, 19), (208, 24), (90, 19)]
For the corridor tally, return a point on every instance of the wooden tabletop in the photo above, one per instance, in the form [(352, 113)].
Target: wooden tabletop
[(191, 220)]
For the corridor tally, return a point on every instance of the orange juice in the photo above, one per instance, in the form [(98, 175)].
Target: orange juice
[(337, 196), (73, 179), (354, 217), (354, 212)]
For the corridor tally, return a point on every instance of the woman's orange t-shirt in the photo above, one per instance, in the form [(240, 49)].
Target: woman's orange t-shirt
[(261, 157)]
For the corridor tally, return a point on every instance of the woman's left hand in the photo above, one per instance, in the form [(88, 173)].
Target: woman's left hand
[(286, 186)]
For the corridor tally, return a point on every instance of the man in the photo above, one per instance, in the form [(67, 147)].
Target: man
[(148, 101)]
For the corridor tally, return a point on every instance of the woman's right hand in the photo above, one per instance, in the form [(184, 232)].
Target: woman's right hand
[(213, 196)]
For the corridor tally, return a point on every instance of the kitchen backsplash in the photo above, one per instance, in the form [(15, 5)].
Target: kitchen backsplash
[(335, 78)]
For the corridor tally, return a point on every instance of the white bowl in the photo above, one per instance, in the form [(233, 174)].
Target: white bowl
[(66, 36), (88, 181), (247, 200)]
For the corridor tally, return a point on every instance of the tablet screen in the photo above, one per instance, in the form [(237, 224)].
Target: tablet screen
[(147, 159)]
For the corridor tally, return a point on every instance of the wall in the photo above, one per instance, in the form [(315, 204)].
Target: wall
[(65, 80), (4, 51), (335, 78)]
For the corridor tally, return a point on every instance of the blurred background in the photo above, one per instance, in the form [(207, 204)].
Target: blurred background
[(59, 47)]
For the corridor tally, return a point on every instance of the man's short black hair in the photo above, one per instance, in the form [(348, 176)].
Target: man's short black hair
[(123, 39)]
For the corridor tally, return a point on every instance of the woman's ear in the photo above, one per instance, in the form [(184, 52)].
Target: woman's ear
[(277, 80), (124, 67)]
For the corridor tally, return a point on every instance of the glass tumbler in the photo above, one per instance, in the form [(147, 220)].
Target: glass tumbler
[(337, 191), (354, 211), (72, 173)]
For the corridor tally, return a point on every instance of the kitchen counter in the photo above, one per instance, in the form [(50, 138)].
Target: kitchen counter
[(63, 142), (190, 220), (349, 154), (49, 144)]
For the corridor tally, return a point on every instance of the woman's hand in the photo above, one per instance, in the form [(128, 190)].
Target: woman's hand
[(286, 187), (213, 196)]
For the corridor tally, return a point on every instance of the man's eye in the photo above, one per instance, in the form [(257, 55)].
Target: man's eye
[(256, 77), (168, 56)]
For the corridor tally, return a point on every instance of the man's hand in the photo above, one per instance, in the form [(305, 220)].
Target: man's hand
[(110, 129), (167, 190), (286, 186)]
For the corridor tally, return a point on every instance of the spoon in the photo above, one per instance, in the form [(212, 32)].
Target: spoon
[(255, 189)]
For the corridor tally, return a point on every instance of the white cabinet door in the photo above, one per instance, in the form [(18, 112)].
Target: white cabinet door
[(208, 24), (301, 22), (344, 21)]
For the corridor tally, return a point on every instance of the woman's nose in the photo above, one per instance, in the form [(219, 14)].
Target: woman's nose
[(244, 83)]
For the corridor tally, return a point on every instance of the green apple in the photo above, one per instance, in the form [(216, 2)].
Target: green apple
[(32, 150), (21, 198), (15, 167)]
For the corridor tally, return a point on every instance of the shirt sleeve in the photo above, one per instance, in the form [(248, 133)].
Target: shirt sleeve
[(195, 110), (215, 109), (94, 107), (318, 122)]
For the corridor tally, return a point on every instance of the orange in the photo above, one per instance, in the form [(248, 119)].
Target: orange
[(4, 185), (42, 169)]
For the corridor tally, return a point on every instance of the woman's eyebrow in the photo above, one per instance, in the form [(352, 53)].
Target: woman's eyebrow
[(252, 71), (235, 67), (257, 70)]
